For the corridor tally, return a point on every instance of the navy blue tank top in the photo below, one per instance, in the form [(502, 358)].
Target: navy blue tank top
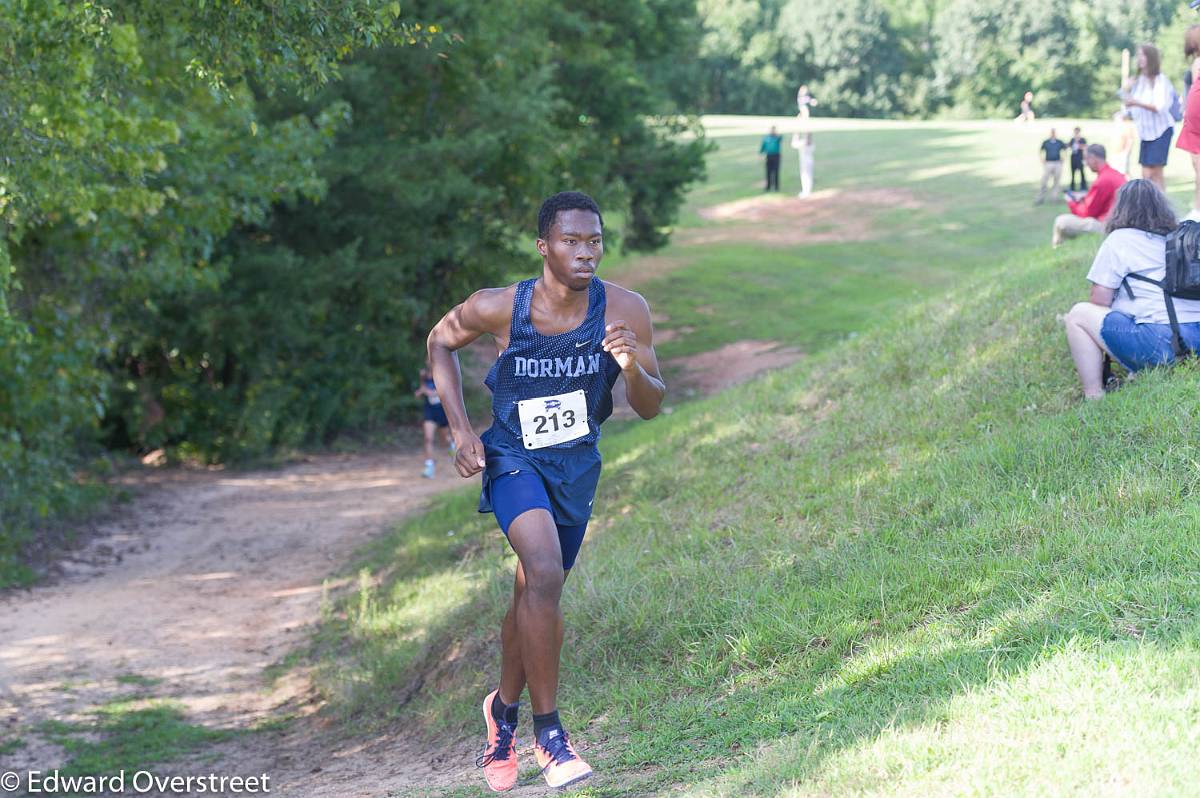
[(537, 365)]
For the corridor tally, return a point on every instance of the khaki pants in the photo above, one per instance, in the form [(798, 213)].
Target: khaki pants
[(1068, 225), (1051, 170)]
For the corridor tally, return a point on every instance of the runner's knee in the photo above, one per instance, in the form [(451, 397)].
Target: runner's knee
[(544, 577)]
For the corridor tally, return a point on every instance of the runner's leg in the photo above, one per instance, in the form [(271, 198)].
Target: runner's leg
[(429, 427), (538, 617), (512, 670)]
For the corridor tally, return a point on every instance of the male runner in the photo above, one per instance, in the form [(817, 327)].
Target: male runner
[(434, 419), (563, 339)]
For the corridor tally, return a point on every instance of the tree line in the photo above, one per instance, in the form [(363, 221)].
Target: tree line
[(928, 58), (227, 226)]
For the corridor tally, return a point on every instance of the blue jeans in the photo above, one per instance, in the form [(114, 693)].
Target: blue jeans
[(1138, 346)]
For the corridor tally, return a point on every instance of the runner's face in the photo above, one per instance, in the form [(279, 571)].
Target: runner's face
[(574, 247)]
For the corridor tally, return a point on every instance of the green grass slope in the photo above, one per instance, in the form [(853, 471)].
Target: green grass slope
[(913, 564)]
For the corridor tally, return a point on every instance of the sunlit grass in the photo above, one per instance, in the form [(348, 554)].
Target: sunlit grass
[(912, 564)]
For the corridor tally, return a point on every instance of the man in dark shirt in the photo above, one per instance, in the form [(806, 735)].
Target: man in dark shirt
[(1078, 145), (770, 148), (1051, 152)]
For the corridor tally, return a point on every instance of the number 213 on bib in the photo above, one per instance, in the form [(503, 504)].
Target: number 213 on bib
[(548, 420)]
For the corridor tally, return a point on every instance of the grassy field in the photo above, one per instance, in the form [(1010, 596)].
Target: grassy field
[(912, 564), (967, 190)]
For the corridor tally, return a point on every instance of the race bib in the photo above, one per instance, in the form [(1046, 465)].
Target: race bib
[(548, 420)]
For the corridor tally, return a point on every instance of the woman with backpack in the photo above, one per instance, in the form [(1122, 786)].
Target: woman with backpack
[(1150, 97), (1126, 315)]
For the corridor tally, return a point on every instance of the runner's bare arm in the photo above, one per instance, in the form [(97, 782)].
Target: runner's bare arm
[(630, 339), (486, 311)]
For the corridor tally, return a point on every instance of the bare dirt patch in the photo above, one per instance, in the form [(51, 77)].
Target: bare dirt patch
[(197, 587), (713, 371), (828, 216), (732, 364), (832, 215)]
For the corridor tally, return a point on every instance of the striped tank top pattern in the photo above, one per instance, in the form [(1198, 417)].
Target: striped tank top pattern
[(536, 365)]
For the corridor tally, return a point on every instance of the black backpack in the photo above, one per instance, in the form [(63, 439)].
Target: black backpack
[(1182, 280)]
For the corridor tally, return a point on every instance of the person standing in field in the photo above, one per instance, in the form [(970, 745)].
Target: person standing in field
[(1078, 144), (771, 144), (1189, 136), (1126, 138), (1148, 97), (1051, 154), (803, 144), (563, 340), (1027, 114), (804, 102), (434, 418)]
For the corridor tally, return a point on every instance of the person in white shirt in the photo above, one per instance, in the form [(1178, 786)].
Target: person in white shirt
[(1149, 98), (804, 102), (1127, 318), (804, 143)]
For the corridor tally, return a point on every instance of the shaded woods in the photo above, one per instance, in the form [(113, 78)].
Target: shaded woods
[(226, 230)]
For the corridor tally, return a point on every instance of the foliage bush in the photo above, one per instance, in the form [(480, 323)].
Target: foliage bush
[(225, 231)]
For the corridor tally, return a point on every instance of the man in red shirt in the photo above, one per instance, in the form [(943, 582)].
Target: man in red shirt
[(1088, 215)]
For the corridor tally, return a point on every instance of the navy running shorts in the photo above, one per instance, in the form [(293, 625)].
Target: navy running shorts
[(569, 476), (521, 491), (436, 414)]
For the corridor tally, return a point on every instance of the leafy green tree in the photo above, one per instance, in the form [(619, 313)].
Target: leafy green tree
[(894, 58), (852, 52), (317, 320), (740, 65), (131, 148), (1067, 54)]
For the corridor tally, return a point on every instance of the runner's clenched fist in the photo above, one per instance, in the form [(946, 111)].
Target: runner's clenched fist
[(621, 343), (469, 457)]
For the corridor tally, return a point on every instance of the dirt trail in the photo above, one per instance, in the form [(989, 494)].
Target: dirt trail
[(201, 583), (208, 578)]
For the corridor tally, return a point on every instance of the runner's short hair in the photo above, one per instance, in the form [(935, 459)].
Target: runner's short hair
[(565, 201), (1097, 151)]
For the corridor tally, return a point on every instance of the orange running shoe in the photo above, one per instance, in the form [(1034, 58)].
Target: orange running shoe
[(499, 757), (560, 764)]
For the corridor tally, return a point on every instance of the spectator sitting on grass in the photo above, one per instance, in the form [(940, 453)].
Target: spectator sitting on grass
[(1088, 215), (1135, 329)]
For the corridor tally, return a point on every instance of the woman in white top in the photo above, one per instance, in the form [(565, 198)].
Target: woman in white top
[(1128, 318), (1149, 97)]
